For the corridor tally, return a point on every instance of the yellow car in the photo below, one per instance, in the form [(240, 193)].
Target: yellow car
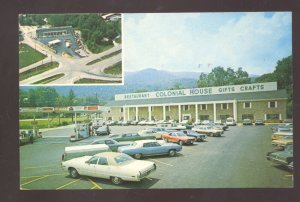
[(280, 135), (288, 140)]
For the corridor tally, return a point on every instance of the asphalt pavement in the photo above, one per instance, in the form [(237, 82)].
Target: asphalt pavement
[(235, 160)]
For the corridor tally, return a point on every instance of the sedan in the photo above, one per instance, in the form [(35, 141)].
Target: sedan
[(247, 122), (199, 137), (132, 137), (142, 148), (178, 137), (210, 131), (284, 157), (112, 144), (115, 166)]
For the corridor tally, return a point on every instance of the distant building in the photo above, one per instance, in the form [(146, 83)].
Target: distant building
[(111, 16), (247, 101), (54, 31)]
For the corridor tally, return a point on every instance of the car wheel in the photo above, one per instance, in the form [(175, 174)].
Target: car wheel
[(138, 156), (73, 173), (180, 143), (116, 180), (172, 152)]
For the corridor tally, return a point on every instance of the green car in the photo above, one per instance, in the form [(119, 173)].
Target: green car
[(131, 137)]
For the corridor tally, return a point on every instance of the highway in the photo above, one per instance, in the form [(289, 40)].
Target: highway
[(73, 68)]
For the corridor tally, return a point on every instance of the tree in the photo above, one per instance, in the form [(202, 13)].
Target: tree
[(177, 86), (71, 98), (220, 77)]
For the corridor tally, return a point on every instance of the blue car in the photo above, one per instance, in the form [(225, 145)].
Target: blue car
[(199, 137), (142, 148)]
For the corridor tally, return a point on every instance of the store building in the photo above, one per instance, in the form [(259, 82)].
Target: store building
[(254, 101)]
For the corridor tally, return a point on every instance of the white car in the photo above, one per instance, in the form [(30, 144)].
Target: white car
[(142, 123), (115, 166), (157, 132), (210, 131)]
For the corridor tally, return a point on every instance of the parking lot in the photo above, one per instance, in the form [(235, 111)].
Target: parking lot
[(235, 160)]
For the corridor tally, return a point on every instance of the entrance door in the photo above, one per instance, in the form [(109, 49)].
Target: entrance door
[(186, 117)]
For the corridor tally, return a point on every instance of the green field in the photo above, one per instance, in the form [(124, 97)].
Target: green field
[(115, 69), (53, 122), (38, 70), (28, 55), (104, 57), (49, 79), (85, 80)]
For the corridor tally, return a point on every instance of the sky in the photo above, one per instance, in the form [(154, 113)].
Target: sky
[(198, 42)]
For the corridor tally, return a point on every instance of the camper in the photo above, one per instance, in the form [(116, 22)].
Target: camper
[(83, 150)]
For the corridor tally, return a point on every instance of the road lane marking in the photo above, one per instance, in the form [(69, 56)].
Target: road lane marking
[(94, 183), (67, 184), (289, 175), (42, 175), (34, 180), (21, 188), (161, 162), (32, 167), (148, 178)]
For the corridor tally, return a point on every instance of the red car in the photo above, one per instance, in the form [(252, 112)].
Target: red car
[(178, 137)]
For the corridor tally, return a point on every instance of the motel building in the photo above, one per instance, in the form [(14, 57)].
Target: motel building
[(252, 101)]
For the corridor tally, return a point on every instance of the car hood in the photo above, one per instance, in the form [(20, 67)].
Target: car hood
[(281, 154)]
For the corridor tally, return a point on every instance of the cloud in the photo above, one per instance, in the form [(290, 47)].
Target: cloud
[(187, 41)]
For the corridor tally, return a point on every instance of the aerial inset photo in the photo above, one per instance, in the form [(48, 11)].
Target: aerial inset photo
[(60, 49)]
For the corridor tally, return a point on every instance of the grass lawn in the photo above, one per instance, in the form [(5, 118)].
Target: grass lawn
[(49, 79), (115, 69), (99, 48), (38, 70), (28, 55), (104, 57), (84, 81), (53, 122)]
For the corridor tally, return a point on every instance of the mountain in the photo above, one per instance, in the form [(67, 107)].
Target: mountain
[(149, 79)]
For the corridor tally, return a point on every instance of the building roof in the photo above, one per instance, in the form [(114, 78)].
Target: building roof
[(271, 95)]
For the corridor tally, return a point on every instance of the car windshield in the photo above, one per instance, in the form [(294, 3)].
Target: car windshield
[(122, 159), (289, 148)]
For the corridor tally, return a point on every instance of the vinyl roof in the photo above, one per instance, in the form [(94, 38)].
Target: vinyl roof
[(272, 95)]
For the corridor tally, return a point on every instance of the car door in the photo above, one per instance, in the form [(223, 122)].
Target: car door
[(102, 169), (147, 149), (89, 167), (173, 137)]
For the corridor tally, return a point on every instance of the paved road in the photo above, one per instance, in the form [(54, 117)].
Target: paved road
[(74, 68), (236, 160)]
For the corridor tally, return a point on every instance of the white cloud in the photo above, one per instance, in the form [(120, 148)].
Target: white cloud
[(182, 41)]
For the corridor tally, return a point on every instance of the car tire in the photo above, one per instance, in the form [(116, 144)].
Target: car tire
[(73, 173), (172, 152), (116, 180), (180, 143), (137, 156)]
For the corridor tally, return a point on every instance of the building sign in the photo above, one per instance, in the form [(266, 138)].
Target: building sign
[(245, 88), (92, 108)]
